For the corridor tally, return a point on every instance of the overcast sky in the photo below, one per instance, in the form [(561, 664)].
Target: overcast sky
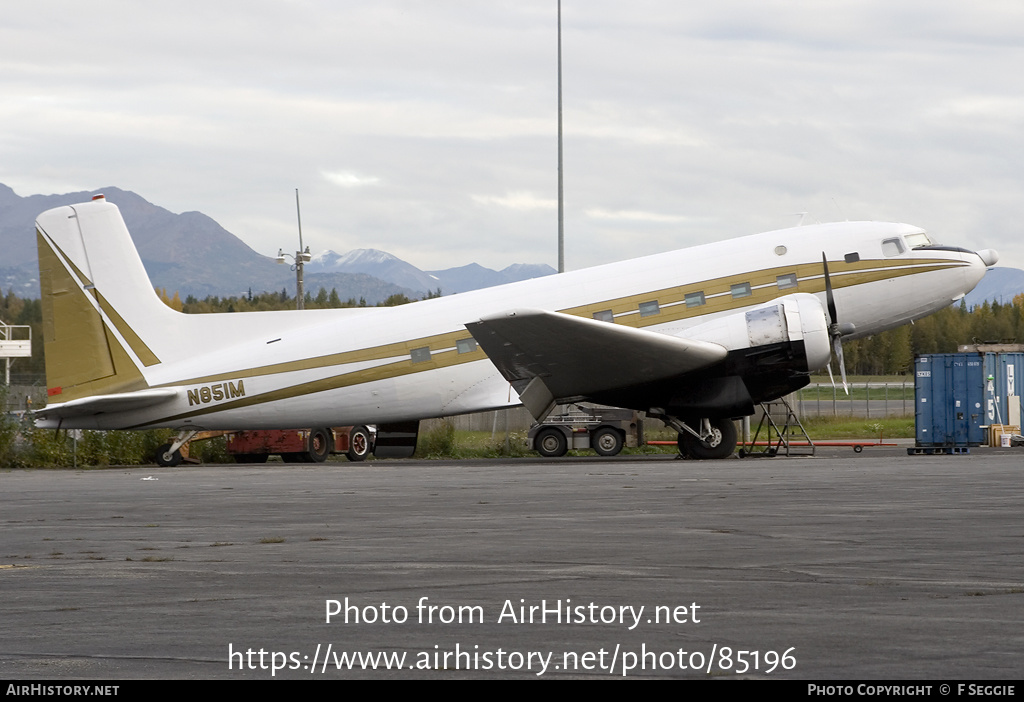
[(428, 128)]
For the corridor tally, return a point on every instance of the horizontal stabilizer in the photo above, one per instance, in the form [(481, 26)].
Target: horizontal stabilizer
[(107, 404), (575, 356)]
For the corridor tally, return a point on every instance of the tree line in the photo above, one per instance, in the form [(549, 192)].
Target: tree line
[(270, 301)]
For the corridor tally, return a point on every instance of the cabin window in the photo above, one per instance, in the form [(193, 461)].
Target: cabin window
[(741, 290), (648, 309), (892, 247), (780, 250), (852, 257), (695, 299), (464, 346), (786, 281), (420, 355), (604, 316)]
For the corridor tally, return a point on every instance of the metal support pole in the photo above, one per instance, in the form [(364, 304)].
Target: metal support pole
[(561, 203), (300, 293)]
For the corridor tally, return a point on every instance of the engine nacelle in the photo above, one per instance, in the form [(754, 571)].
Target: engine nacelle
[(797, 318)]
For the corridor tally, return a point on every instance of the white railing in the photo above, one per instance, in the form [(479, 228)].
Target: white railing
[(15, 341)]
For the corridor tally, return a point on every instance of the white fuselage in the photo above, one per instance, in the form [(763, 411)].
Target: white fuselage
[(378, 365)]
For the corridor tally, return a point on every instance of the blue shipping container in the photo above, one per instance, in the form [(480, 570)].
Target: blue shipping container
[(957, 394), (949, 407)]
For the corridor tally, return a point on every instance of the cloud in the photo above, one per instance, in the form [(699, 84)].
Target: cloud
[(432, 125), (641, 216), (347, 179), (518, 201)]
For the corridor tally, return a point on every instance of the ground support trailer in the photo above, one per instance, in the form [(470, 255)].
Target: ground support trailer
[(605, 429), (302, 445)]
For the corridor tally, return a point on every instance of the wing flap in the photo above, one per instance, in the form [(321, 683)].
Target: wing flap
[(575, 357)]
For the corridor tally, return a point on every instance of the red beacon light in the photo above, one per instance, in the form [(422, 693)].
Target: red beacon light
[(99, 197)]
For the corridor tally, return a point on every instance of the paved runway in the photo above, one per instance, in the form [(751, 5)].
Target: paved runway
[(877, 565)]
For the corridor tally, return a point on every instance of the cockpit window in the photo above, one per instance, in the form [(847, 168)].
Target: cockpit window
[(892, 247), (916, 240)]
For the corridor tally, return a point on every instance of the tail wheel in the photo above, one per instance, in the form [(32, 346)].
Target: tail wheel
[(167, 459), (607, 441), (720, 444), (319, 446), (551, 443), (358, 444)]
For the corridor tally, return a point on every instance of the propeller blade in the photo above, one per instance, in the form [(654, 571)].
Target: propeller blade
[(833, 327), (837, 346), (829, 297)]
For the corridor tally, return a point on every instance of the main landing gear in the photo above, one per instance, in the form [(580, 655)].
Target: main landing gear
[(703, 439)]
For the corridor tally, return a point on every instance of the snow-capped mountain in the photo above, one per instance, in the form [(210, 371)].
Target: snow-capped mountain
[(390, 268), (379, 264)]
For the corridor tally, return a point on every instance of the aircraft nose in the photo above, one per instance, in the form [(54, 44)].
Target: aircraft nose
[(976, 266), (989, 257)]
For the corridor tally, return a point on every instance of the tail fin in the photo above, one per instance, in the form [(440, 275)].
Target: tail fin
[(95, 294)]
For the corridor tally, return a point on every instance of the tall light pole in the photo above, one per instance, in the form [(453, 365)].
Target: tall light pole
[(561, 200), (302, 257)]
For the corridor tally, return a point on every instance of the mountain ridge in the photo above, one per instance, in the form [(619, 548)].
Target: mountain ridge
[(999, 284), (189, 253)]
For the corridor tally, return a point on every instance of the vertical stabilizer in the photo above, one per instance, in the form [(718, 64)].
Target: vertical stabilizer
[(95, 296)]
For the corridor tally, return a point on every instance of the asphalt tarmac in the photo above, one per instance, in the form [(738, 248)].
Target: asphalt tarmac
[(876, 565)]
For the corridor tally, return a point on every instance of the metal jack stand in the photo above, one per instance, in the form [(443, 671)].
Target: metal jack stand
[(788, 438)]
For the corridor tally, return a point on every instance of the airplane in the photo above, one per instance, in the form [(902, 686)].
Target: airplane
[(695, 337)]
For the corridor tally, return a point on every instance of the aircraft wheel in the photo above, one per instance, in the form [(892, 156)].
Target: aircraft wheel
[(319, 446), (358, 444), (551, 443), (165, 458), (720, 444), (607, 441)]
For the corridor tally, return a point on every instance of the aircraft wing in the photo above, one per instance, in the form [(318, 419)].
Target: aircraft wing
[(549, 356), (101, 404)]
